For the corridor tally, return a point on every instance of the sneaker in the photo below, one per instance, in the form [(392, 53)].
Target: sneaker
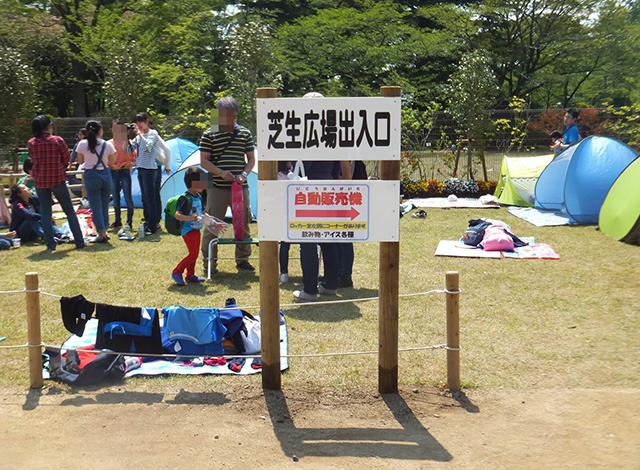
[(419, 215), (324, 290), (284, 278), (344, 282), (245, 266), (158, 227), (177, 278), (195, 278), (116, 225), (302, 295), (147, 232)]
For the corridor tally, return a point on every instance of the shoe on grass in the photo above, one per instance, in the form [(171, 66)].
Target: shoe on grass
[(344, 282), (177, 278), (116, 225), (302, 295), (284, 278), (323, 290), (245, 266), (195, 278)]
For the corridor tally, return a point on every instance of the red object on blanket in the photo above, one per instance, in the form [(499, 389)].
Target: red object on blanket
[(237, 211), (89, 215), (85, 357)]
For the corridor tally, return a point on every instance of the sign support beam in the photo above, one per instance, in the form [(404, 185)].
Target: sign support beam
[(389, 287), (269, 288)]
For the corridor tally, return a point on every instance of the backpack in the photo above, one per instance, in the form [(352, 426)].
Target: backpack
[(171, 224)]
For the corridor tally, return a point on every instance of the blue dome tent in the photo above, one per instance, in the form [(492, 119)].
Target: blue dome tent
[(577, 181), (180, 151), (174, 184)]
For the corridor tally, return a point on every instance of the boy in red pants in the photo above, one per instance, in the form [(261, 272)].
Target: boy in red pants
[(189, 210)]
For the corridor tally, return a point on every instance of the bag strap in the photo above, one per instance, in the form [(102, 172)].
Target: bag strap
[(100, 162), (298, 170), (224, 149)]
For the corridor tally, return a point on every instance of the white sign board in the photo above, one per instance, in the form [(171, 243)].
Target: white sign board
[(329, 211), (291, 129)]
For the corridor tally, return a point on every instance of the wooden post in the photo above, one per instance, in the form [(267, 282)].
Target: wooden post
[(453, 331), (389, 288), (84, 189), (33, 330), (269, 286)]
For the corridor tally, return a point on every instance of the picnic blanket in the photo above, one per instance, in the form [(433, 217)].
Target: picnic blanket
[(532, 251), (177, 366), (444, 203), (541, 218)]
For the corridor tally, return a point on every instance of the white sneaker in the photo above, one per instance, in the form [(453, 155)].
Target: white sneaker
[(324, 290), (302, 295), (284, 278)]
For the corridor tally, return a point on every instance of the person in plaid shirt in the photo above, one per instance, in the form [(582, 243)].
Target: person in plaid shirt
[(50, 156)]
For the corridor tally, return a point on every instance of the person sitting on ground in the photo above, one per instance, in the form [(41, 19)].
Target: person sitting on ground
[(189, 211), (556, 141), (25, 218), (6, 240), (27, 166), (50, 156), (98, 156), (571, 133)]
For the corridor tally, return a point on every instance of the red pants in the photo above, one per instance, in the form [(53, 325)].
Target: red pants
[(192, 239)]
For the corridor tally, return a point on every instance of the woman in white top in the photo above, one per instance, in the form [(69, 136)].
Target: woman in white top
[(98, 156)]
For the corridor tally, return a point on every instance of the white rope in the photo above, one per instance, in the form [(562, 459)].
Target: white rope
[(183, 356), (22, 346), (13, 291), (301, 304)]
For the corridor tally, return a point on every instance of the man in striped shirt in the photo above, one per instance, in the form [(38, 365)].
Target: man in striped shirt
[(228, 154)]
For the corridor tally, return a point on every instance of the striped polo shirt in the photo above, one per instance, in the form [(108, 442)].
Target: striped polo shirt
[(234, 144)]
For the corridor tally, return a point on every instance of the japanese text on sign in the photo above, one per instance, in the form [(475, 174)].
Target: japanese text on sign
[(327, 212), (329, 129)]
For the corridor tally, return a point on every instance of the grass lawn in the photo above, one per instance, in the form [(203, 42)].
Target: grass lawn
[(524, 323)]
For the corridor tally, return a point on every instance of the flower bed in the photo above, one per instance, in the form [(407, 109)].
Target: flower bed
[(435, 188)]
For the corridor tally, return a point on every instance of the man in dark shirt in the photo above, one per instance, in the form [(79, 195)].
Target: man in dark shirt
[(229, 155)]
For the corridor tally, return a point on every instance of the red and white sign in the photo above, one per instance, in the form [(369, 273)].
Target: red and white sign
[(335, 212), (328, 211)]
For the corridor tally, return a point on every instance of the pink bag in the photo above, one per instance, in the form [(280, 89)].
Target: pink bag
[(495, 239), (237, 211)]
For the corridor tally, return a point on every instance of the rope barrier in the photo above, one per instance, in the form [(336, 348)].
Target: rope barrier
[(294, 304), (22, 346), (13, 291), (297, 356)]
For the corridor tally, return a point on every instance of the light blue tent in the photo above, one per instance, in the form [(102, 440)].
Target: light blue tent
[(174, 184), (180, 151), (577, 181)]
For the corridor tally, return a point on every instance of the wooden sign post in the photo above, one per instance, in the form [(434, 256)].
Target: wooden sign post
[(269, 286), (389, 288)]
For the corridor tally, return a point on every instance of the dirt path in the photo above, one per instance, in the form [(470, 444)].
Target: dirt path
[(120, 429)]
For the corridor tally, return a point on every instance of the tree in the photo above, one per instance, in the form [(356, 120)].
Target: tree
[(16, 90), (250, 64), (471, 93)]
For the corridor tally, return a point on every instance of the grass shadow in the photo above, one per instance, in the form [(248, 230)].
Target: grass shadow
[(412, 442), (235, 281), (48, 255)]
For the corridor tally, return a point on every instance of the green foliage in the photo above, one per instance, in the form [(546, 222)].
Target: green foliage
[(625, 123), (514, 129)]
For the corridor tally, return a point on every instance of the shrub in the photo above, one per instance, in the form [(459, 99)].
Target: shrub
[(456, 186)]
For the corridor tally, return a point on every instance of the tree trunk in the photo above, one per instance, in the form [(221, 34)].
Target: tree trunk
[(79, 92), (469, 157)]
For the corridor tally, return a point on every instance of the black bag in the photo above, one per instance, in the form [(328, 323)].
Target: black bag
[(104, 367)]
